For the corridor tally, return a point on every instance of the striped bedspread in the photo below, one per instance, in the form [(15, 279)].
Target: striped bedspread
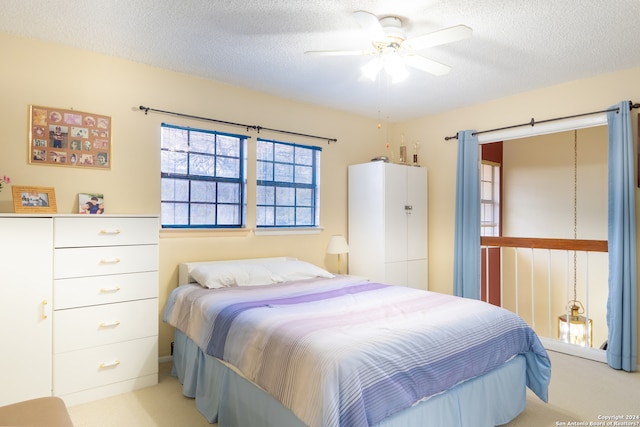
[(347, 352)]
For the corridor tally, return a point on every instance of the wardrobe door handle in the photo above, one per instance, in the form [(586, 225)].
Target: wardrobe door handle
[(45, 309)]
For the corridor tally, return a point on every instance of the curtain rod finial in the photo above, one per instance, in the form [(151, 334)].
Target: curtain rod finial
[(447, 138)]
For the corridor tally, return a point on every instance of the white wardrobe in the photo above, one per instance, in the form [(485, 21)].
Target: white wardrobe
[(26, 266), (388, 223)]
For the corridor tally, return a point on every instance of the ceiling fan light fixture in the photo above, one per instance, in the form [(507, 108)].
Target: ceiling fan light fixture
[(399, 75), (394, 65), (394, 51), (372, 68)]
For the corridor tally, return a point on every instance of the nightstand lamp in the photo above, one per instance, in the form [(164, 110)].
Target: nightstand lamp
[(338, 245)]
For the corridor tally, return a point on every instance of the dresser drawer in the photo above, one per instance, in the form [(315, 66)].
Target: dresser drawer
[(98, 366), (104, 231), (80, 262), (79, 328), (95, 290)]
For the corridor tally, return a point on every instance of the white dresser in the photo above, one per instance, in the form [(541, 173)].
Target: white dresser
[(105, 305)]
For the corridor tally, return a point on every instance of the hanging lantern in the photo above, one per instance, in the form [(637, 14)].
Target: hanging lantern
[(573, 327), (577, 329)]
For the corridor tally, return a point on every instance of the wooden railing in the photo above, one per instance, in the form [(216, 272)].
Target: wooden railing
[(537, 243), (535, 300)]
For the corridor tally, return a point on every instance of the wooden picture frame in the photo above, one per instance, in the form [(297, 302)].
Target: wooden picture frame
[(34, 199), (59, 137)]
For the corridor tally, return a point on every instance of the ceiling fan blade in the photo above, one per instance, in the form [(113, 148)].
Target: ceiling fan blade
[(370, 23), (427, 65), (447, 35), (339, 52)]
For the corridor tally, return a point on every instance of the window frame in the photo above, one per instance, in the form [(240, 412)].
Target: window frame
[(493, 202), (492, 154), (241, 180), (314, 186)]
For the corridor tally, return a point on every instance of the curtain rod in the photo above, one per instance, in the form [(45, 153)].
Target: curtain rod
[(247, 127), (532, 122)]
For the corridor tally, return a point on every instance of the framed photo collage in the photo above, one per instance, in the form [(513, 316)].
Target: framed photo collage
[(73, 138)]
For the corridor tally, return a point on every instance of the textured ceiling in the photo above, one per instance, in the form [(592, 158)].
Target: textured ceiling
[(517, 45)]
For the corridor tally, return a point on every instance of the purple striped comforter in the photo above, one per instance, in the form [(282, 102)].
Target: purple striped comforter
[(346, 352)]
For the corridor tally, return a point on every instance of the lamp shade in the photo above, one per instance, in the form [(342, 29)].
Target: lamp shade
[(337, 245)]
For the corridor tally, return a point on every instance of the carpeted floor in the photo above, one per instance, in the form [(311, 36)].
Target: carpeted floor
[(162, 405), (581, 391)]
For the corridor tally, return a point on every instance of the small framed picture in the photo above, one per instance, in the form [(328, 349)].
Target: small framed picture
[(90, 203), (34, 199)]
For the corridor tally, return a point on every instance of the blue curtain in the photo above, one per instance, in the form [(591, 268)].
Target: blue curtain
[(466, 259), (621, 306)]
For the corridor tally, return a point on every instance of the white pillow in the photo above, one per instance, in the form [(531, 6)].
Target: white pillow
[(289, 270), (224, 275)]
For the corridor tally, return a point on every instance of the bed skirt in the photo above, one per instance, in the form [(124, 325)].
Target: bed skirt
[(224, 396)]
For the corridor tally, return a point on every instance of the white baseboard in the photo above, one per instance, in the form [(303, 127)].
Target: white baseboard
[(165, 359), (574, 350), (109, 390)]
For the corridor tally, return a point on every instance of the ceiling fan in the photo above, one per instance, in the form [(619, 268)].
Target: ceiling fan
[(393, 50)]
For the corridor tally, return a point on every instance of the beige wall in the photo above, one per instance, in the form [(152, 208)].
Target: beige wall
[(440, 157), (52, 75), (538, 188), (538, 182), (56, 76)]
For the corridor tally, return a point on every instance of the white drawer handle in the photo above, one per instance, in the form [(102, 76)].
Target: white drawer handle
[(111, 364), (109, 324), (45, 309), (110, 232), (110, 261), (109, 290)]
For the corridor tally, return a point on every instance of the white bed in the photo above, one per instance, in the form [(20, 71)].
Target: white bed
[(229, 384)]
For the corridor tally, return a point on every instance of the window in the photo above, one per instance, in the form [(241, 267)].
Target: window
[(288, 185), (489, 199), (491, 189), (203, 180)]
